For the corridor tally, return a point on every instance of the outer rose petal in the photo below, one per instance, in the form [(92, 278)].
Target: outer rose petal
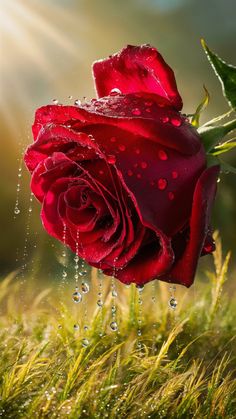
[(183, 271), (137, 69)]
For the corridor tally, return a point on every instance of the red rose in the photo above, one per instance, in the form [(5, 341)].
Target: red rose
[(123, 179)]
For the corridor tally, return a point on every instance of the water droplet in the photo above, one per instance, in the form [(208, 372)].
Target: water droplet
[(114, 293), (83, 273), (175, 174), (140, 288), (76, 327), (113, 309), (77, 297), (70, 97), (86, 328), (173, 303), (115, 92), (136, 112), (162, 184), (148, 103), (176, 121), (114, 326), (113, 139), (139, 176), (111, 159), (130, 173), (148, 110), (139, 333), (162, 155), (85, 287), (218, 180), (171, 196), (85, 342), (122, 147), (99, 303), (137, 151), (17, 211), (64, 274), (143, 164), (165, 119), (77, 102), (55, 101), (101, 172)]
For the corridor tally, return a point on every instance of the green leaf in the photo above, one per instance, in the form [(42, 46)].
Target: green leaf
[(200, 108), (226, 74), (224, 148)]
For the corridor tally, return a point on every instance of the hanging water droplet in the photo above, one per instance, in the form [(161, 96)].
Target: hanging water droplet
[(85, 342), (139, 333), (76, 327), (86, 328), (140, 288), (77, 102), (111, 159), (70, 97), (176, 121), (83, 273), (162, 184), (113, 309), (77, 297), (16, 211), (114, 293), (175, 174), (99, 303), (115, 92), (114, 326), (173, 303), (85, 287), (136, 111), (162, 155), (55, 101)]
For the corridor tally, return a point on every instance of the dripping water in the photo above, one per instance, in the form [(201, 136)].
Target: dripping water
[(140, 289)]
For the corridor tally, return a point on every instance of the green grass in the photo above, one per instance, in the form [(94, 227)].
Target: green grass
[(181, 366)]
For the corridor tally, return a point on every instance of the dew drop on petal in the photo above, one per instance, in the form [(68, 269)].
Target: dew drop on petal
[(162, 184), (176, 121), (113, 139), (175, 174), (139, 176), (143, 164), (130, 173), (148, 110), (162, 155), (115, 92), (111, 159), (165, 119), (136, 111), (122, 147), (114, 326), (77, 297), (137, 151), (171, 196), (173, 303), (150, 103)]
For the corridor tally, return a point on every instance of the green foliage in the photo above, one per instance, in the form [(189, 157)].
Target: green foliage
[(226, 74), (203, 105), (184, 366)]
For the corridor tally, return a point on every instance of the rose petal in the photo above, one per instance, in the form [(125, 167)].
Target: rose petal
[(183, 271), (137, 69)]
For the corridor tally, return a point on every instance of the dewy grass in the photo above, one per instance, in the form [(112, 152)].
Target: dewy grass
[(173, 364)]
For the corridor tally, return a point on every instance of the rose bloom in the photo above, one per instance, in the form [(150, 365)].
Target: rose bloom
[(122, 179)]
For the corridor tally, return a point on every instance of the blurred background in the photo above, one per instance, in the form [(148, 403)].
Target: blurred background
[(47, 48)]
